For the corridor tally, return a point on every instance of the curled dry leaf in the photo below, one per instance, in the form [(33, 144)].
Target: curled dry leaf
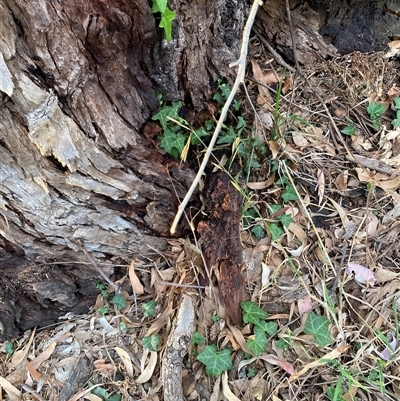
[(126, 360), (265, 79), (226, 390), (147, 373), (137, 286)]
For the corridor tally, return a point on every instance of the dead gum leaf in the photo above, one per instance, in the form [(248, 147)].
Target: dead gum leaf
[(135, 282)]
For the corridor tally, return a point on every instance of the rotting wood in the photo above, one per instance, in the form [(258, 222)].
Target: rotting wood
[(220, 241), (177, 347)]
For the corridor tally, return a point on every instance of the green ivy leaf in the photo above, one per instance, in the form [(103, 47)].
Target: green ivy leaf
[(148, 308), (197, 338), (119, 301), (161, 6), (252, 312), (173, 143), (241, 123), (396, 122), (236, 105), (196, 136), (376, 110), (258, 344), (214, 361), (102, 310), (166, 22), (151, 342), (9, 348), (268, 327), (318, 326), (168, 111), (116, 397), (290, 194), (276, 231), (283, 344), (227, 137), (274, 208), (285, 219), (258, 232), (349, 130)]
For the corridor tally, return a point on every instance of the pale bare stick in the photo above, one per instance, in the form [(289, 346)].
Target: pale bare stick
[(241, 62)]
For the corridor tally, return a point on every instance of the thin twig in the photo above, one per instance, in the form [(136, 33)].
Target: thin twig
[(102, 274), (241, 62), (274, 53)]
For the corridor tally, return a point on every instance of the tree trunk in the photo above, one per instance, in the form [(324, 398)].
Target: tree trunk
[(77, 166)]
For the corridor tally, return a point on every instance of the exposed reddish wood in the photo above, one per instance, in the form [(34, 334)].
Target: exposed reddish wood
[(220, 241)]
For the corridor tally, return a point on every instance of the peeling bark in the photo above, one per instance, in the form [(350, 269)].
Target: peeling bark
[(79, 163)]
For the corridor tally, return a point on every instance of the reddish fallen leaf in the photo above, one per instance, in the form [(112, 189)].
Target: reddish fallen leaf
[(304, 304), (361, 274), (274, 360)]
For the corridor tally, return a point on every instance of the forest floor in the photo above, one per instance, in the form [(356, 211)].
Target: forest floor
[(320, 234)]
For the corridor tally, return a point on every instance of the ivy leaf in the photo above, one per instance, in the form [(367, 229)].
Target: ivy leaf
[(197, 338), (396, 122), (148, 308), (285, 219), (290, 194), (151, 342), (258, 232), (241, 122), (168, 111), (349, 130), (119, 301), (268, 327), (258, 344), (159, 6), (227, 137), (9, 348), (214, 361), (166, 22), (252, 312), (376, 110), (318, 326), (396, 103), (173, 142), (276, 231), (196, 136)]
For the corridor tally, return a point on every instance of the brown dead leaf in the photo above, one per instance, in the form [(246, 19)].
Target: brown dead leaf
[(226, 390), (394, 48), (147, 373), (161, 321), (299, 140), (20, 355), (126, 360), (274, 148), (341, 180), (321, 361), (316, 137), (13, 392), (137, 286), (265, 79), (340, 112), (103, 367), (287, 85)]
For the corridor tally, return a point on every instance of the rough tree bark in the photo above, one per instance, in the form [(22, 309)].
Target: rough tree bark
[(79, 81)]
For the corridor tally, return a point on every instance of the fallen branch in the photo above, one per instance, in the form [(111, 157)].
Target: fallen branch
[(241, 62), (177, 346)]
